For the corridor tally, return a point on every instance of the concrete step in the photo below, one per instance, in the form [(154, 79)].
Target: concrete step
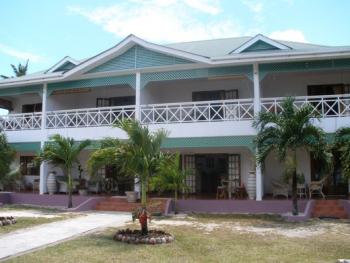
[(121, 204)]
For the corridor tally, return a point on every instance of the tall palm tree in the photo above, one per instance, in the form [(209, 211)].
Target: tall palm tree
[(63, 152), (342, 147), (19, 71), (139, 156), (288, 131)]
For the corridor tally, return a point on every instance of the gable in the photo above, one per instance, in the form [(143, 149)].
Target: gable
[(138, 57), (260, 46), (65, 67)]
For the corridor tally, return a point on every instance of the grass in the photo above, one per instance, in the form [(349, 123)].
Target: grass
[(222, 244)]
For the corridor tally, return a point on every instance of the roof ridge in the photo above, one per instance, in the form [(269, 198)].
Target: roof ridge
[(213, 39)]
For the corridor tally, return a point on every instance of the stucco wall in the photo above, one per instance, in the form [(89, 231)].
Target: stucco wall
[(274, 169), (295, 84), (181, 90)]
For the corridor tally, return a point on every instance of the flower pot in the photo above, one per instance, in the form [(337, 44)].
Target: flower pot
[(251, 185), (131, 196), (83, 192), (51, 183)]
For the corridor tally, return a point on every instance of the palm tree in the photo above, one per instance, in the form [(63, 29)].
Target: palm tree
[(342, 148), (288, 131), (170, 176), (19, 71), (63, 152), (139, 156)]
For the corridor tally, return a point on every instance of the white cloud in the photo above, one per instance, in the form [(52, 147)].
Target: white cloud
[(205, 6), (161, 20), (289, 35), (23, 55), (254, 6)]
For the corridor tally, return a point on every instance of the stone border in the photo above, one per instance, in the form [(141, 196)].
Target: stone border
[(134, 237), (7, 220)]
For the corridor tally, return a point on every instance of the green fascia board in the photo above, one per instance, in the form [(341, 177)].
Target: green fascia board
[(303, 66), (246, 70), (138, 57), (204, 142), (26, 146), (93, 83), (260, 46), (21, 90)]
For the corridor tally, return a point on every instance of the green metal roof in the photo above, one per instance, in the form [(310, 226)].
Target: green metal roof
[(26, 146)]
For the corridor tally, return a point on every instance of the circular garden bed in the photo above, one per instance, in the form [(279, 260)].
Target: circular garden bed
[(7, 220), (135, 237)]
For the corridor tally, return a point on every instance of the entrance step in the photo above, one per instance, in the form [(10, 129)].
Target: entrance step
[(329, 209), (120, 204)]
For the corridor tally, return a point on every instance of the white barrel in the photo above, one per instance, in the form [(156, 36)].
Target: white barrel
[(51, 183), (251, 185)]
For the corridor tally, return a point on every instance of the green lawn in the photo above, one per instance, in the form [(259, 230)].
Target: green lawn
[(213, 239)]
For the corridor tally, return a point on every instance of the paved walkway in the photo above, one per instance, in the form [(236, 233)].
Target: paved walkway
[(24, 240)]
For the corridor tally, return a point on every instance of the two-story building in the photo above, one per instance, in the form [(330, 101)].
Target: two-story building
[(204, 93)]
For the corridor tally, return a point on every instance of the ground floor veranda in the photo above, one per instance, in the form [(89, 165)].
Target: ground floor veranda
[(213, 173)]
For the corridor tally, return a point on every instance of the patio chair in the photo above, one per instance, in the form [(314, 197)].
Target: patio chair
[(19, 185), (279, 189), (317, 187)]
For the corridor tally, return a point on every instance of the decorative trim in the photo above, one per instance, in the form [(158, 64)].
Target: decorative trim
[(26, 146), (202, 142), (93, 83), (303, 66), (256, 39), (246, 70), (22, 90)]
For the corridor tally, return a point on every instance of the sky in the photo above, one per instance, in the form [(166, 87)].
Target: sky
[(44, 31)]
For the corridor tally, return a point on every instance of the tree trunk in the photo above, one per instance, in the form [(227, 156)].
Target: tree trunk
[(294, 187), (175, 202), (143, 193), (70, 186)]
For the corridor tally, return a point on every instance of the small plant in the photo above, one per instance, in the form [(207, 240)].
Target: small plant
[(142, 215)]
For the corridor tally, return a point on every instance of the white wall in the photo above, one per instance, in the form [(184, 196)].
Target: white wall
[(86, 100), (181, 90), (274, 169), (295, 84), (18, 101)]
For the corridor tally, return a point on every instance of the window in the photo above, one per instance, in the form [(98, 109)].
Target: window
[(115, 101), (214, 95), (28, 108), (28, 166)]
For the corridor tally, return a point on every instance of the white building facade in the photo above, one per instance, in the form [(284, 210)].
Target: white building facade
[(204, 93)]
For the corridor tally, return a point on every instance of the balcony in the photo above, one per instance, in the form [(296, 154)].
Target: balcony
[(186, 112)]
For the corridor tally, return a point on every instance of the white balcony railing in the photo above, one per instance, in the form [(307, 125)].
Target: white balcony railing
[(324, 106), (22, 121), (204, 111), (93, 117), (207, 111)]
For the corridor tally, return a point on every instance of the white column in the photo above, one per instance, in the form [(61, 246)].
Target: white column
[(138, 97), (137, 185), (257, 108), (43, 166)]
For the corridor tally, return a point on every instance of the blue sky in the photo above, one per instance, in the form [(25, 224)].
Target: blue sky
[(46, 31)]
